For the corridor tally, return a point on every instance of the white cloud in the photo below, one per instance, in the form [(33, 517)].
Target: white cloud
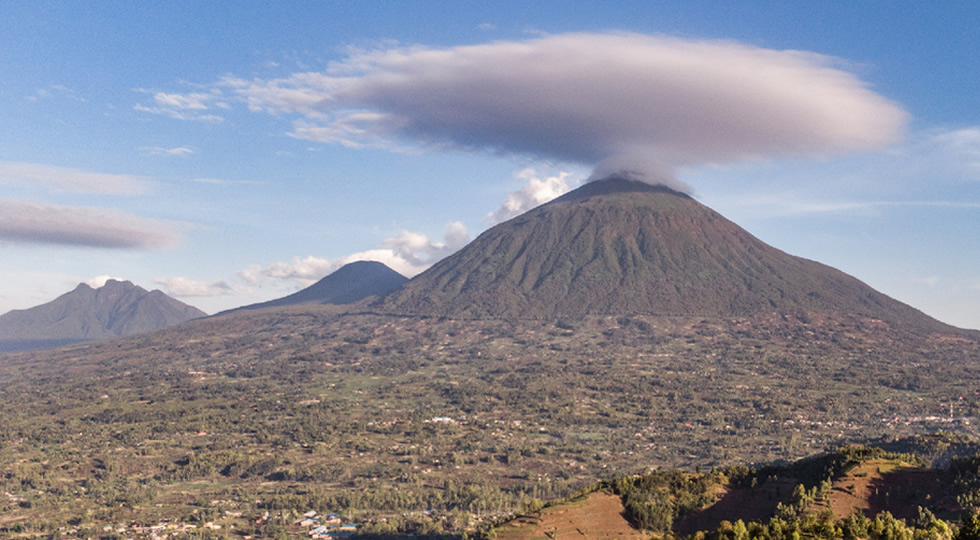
[(190, 106), (586, 98), (793, 204), (415, 252), (194, 102), (182, 287), (301, 93), (637, 165), (536, 191), (55, 91), (98, 281), (959, 147), (301, 271), (932, 169), (73, 180), (40, 223), (409, 253), (178, 151)]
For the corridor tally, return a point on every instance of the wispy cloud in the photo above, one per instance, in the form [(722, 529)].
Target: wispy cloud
[(932, 169), (71, 180), (185, 288), (302, 271), (54, 92), (40, 223), (177, 151), (190, 106), (409, 253), (792, 204), (957, 147)]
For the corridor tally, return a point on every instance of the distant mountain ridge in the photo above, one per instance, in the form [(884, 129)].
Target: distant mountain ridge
[(618, 246), (348, 284), (117, 308)]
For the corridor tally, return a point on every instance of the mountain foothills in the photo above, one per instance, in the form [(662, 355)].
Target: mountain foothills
[(851, 492), (618, 330), (118, 308)]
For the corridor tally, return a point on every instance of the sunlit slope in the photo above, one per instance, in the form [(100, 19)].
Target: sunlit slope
[(623, 247), (118, 308)]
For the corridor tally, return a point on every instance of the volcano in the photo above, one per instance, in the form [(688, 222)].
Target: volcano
[(350, 283), (619, 247), (118, 308)]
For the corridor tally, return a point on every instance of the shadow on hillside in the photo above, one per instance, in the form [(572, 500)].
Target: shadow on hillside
[(903, 491), (900, 492), (747, 504)]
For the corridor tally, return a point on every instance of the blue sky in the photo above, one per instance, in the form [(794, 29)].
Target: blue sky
[(232, 152)]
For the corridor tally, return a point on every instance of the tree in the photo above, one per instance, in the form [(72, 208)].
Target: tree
[(971, 528)]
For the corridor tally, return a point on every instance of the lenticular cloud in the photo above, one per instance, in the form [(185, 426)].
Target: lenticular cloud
[(39, 223), (588, 98)]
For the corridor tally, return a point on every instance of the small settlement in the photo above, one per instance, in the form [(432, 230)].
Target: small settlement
[(325, 526)]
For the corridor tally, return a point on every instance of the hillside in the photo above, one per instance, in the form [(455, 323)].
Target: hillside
[(862, 492), (420, 413), (620, 247), (118, 308), (350, 283), (315, 407)]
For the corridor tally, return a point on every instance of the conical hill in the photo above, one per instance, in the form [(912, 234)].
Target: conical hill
[(350, 283), (623, 247)]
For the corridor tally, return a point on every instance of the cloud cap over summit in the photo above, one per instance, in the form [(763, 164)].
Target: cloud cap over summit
[(588, 97)]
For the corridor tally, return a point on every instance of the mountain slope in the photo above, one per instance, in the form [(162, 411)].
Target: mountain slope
[(117, 308), (350, 283), (623, 247)]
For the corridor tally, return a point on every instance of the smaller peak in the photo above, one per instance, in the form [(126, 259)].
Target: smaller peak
[(113, 283), (98, 282), (362, 264)]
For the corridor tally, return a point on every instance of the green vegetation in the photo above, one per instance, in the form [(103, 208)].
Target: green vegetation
[(411, 425), (654, 501), (628, 248), (716, 505)]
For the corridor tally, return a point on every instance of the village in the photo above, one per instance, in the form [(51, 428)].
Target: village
[(314, 524), (325, 526)]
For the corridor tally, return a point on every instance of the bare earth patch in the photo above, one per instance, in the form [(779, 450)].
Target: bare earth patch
[(596, 516), (890, 485)]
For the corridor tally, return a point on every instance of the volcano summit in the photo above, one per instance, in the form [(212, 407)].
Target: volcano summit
[(618, 246)]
